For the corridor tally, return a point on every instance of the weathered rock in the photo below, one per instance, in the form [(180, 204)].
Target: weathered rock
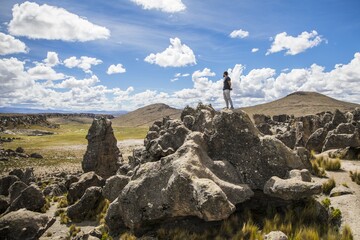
[(261, 118), (356, 114), (338, 118), (255, 158), (291, 189), (281, 118), (26, 176), (77, 189), (288, 138), (114, 185), (169, 137), (199, 119), (349, 153), (55, 189), (15, 189), (302, 175), (102, 154), (87, 205), (23, 224), (275, 235), (264, 128), (19, 150), (70, 180), (4, 204), (6, 182), (186, 183), (316, 140), (30, 198), (36, 155), (340, 190), (309, 124), (335, 141)]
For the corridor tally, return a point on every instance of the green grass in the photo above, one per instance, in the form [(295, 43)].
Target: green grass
[(67, 145)]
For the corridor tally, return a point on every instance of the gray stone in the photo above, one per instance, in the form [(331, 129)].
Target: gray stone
[(15, 189), (30, 198), (345, 128), (4, 204), (261, 118), (340, 190), (36, 155), (275, 235), (336, 141), (86, 180), (26, 176), (264, 128), (302, 175), (55, 189), (291, 189), (114, 185), (88, 203), (316, 140), (24, 224), (6, 182), (102, 154), (288, 138)]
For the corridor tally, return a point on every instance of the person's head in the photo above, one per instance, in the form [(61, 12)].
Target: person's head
[(225, 74)]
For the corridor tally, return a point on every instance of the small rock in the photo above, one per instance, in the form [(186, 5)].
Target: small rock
[(36, 155), (6, 182), (19, 150), (276, 235), (340, 190), (77, 189)]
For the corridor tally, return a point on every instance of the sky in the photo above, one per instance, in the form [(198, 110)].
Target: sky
[(122, 55)]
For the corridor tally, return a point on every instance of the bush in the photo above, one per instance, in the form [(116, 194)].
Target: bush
[(326, 203), (335, 215), (331, 164), (73, 230), (328, 186)]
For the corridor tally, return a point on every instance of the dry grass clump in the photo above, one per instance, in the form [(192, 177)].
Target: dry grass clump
[(355, 176), (320, 164), (297, 221), (73, 230), (328, 186)]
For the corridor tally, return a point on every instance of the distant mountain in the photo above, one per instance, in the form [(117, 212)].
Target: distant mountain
[(145, 116), (36, 111), (300, 104)]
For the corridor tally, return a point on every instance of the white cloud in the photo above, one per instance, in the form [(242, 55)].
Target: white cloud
[(119, 68), (83, 62), (176, 55), (254, 50), (170, 6), (174, 79), (295, 45), (52, 59), (11, 45), (52, 23), (239, 34), (44, 72), (74, 83)]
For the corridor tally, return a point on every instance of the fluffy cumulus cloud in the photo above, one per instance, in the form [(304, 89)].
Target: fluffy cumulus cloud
[(11, 45), (74, 83), (49, 22), (52, 59), (176, 55), (294, 45), (44, 72), (85, 63), (239, 34), (254, 50), (170, 6), (119, 68)]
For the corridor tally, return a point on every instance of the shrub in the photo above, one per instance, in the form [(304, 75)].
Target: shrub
[(335, 215), (318, 171), (326, 203), (46, 205), (331, 164), (328, 186), (355, 176), (73, 230), (64, 219), (62, 201), (346, 233)]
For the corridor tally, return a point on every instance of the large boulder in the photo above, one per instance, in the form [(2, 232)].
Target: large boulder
[(336, 141), (87, 205), (356, 114), (338, 118), (298, 186), (4, 204), (199, 119), (288, 138), (24, 224), (186, 183), (102, 154), (30, 198), (86, 180), (114, 185), (316, 140), (15, 189), (6, 182), (255, 158)]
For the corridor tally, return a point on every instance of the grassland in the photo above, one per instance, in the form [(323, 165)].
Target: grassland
[(66, 145)]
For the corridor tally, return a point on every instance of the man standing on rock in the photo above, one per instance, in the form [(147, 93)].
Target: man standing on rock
[(226, 90)]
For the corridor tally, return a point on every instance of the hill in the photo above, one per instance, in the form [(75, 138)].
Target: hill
[(300, 104), (145, 116)]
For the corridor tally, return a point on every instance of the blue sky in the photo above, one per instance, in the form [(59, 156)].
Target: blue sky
[(57, 54)]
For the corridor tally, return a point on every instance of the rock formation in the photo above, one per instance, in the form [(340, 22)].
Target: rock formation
[(102, 155)]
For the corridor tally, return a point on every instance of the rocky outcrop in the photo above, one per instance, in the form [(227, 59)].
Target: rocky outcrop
[(24, 224), (102, 155), (261, 118), (4, 204), (87, 205), (202, 166), (77, 189), (340, 190), (12, 121), (26, 176), (316, 140), (298, 186), (337, 139), (55, 189)]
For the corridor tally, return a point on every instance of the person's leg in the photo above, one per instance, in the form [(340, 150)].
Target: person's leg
[(226, 98), (231, 103)]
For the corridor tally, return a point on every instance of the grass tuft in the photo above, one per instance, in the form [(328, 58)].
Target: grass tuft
[(346, 233), (328, 186), (355, 176)]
